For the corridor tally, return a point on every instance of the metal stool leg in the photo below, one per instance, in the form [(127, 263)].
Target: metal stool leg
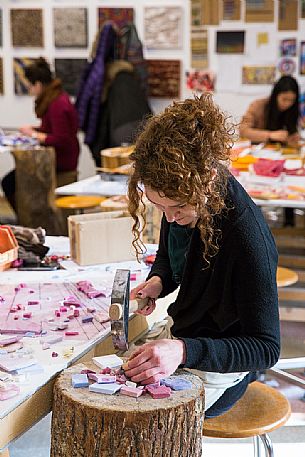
[(257, 446), (267, 445)]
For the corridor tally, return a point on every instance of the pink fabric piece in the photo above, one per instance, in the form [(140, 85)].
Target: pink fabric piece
[(267, 167)]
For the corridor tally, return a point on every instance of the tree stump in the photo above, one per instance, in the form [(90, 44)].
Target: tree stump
[(89, 424)]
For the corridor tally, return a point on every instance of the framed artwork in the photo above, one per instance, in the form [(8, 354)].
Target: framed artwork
[(286, 66), (163, 27), (121, 16), (21, 84), (26, 28), (199, 48), (258, 74), (302, 109), (196, 13), (164, 78), (288, 15), (303, 9), (230, 42), (1, 77), (70, 27), (231, 10), (200, 81), (70, 72), (302, 58), (210, 12), (288, 47), (259, 11)]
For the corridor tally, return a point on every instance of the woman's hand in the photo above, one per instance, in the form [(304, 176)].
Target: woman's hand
[(278, 135), (26, 130), (151, 288), (155, 360)]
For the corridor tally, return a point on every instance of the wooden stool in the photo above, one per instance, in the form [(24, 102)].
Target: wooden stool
[(286, 277), (261, 410), (79, 203)]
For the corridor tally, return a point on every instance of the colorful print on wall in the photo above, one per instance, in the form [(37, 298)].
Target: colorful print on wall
[(230, 42), (21, 84), (286, 66), (231, 10), (200, 81), (1, 77), (121, 16), (26, 28), (163, 27), (259, 11), (258, 74), (70, 27), (288, 47), (164, 78), (196, 13), (70, 72), (302, 109), (199, 49), (302, 58)]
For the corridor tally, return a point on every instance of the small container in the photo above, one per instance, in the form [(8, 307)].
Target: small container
[(8, 247)]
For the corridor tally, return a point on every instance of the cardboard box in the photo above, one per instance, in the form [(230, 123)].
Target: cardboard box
[(101, 237)]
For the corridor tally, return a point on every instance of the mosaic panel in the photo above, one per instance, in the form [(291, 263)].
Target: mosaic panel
[(164, 78), (121, 16), (70, 72), (26, 28), (70, 27), (163, 28), (21, 84)]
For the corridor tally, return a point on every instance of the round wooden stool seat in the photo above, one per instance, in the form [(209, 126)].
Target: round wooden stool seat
[(261, 410), (286, 277), (79, 201)]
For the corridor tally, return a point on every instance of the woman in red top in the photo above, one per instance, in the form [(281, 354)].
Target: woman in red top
[(58, 128)]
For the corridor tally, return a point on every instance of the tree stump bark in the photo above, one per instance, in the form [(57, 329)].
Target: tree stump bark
[(88, 424)]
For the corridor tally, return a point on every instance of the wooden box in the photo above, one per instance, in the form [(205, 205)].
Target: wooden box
[(8, 247), (101, 237)]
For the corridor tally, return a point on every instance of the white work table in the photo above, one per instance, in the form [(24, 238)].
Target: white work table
[(20, 413), (94, 185)]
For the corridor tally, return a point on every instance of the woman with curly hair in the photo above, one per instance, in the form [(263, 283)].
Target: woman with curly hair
[(215, 245)]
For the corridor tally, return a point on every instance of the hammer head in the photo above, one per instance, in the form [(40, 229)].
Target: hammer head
[(119, 309)]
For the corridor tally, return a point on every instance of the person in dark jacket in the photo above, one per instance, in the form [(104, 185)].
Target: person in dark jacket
[(214, 244), (58, 128)]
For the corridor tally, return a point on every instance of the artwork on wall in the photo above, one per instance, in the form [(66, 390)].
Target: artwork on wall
[(210, 12), (231, 10), (230, 42), (302, 58), (163, 27), (121, 16), (303, 9), (262, 38), (259, 11), (288, 47), (26, 28), (1, 77), (199, 48), (200, 81), (21, 84), (70, 72), (258, 74), (164, 78), (286, 66), (196, 13), (302, 109), (288, 15), (70, 27)]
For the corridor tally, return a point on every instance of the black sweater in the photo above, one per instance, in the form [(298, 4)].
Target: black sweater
[(227, 314)]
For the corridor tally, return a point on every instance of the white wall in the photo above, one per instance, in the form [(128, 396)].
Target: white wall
[(18, 110)]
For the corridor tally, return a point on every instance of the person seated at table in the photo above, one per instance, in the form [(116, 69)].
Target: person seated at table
[(274, 119), (58, 128), (215, 245)]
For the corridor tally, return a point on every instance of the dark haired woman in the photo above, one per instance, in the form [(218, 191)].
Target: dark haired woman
[(215, 244), (274, 118), (58, 128)]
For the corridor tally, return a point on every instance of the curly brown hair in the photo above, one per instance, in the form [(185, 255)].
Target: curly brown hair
[(176, 155)]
